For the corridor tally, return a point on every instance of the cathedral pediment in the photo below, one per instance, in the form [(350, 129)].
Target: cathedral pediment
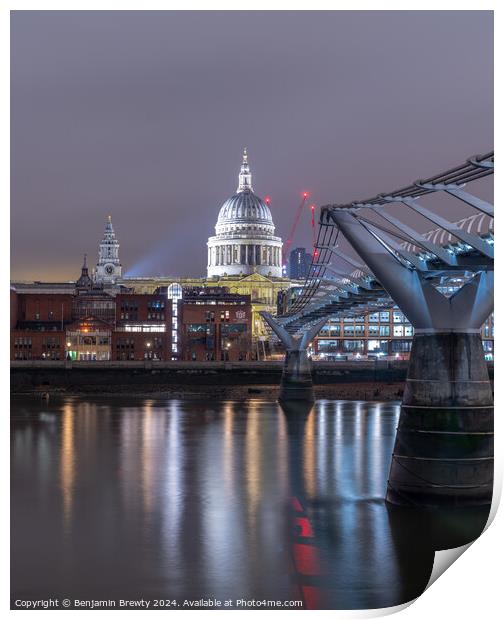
[(256, 277)]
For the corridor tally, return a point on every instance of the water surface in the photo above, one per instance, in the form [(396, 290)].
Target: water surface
[(167, 499)]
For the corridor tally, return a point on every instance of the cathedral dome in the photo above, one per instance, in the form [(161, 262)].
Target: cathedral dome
[(244, 239), (245, 207)]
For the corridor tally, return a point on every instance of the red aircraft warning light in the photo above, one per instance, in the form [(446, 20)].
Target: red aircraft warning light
[(267, 200)]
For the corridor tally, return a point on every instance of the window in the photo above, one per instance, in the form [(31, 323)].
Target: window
[(143, 327), (234, 328), (401, 346), (374, 318), (384, 317), (398, 330), (355, 346), (378, 346), (327, 345), (197, 328), (384, 330), (398, 317)]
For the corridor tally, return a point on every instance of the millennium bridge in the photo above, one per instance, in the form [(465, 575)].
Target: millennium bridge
[(443, 283)]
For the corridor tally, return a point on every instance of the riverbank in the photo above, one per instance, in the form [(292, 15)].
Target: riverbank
[(215, 380), (345, 391), (363, 380)]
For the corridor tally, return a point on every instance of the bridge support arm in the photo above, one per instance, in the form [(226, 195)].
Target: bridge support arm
[(296, 383)]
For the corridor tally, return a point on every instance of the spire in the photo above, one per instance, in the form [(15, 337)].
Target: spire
[(245, 176), (84, 281)]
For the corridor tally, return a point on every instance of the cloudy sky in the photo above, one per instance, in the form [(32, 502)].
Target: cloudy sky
[(143, 115)]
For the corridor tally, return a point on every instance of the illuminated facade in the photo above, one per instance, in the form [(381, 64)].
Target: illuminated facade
[(263, 292), (244, 241), (377, 335)]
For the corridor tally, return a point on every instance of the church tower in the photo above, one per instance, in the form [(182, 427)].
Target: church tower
[(108, 268)]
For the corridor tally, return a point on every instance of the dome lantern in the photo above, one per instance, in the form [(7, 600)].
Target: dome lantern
[(245, 176)]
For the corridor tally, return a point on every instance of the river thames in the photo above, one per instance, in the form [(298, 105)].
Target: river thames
[(174, 500)]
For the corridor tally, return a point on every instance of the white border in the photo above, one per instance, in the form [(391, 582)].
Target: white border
[(469, 588)]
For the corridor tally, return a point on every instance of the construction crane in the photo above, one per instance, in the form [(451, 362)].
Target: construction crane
[(288, 242)]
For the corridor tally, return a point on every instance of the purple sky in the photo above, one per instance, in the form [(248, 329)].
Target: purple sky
[(144, 115)]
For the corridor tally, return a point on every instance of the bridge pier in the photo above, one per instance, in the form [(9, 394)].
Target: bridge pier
[(443, 453), (296, 383)]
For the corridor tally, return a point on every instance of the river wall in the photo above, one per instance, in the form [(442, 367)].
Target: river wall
[(364, 380)]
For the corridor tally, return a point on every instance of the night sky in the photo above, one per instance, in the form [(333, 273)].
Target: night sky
[(144, 115)]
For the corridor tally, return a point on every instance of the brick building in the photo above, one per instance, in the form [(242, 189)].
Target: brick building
[(38, 324), (142, 327), (215, 325)]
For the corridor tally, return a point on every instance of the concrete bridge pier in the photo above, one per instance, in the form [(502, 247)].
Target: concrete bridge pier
[(443, 453), (296, 383)]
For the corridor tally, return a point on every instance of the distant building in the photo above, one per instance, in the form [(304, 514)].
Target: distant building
[(108, 268), (299, 264), (263, 292), (378, 335), (244, 241), (90, 324)]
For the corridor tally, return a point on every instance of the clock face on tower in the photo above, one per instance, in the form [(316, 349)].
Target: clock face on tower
[(109, 269)]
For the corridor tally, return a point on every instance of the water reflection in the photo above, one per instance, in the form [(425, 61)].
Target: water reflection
[(67, 468), (184, 499)]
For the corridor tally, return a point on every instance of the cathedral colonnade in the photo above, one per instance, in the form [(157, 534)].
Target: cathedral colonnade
[(244, 254)]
